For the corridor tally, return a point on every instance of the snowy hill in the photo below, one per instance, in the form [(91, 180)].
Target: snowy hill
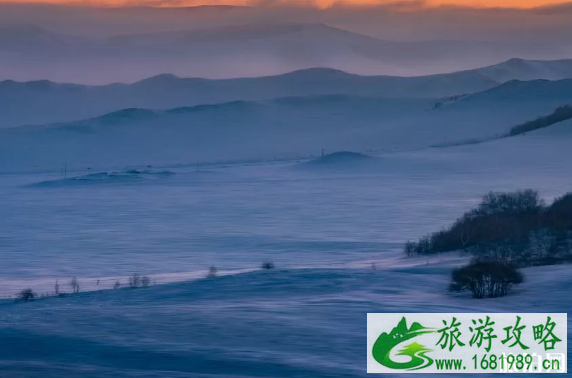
[(520, 69), (340, 161), (148, 334), (514, 102), (286, 127), (44, 101), (40, 102), (295, 125)]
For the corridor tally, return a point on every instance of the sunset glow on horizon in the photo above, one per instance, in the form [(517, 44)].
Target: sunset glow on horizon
[(405, 5)]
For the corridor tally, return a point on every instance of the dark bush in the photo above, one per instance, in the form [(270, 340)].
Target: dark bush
[(26, 295), (74, 283), (485, 278), (267, 265), (135, 281), (145, 281), (212, 272)]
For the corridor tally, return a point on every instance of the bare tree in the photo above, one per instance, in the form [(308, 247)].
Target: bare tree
[(116, 285), (145, 281), (134, 280), (74, 283), (57, 288)]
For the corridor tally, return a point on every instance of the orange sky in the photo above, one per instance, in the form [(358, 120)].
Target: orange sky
[(320, 3)]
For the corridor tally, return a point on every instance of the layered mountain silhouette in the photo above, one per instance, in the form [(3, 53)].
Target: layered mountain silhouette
[(285, 127), (239, 51)]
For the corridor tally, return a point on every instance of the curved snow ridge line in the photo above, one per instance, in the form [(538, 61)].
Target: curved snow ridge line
[(46, 286), (561, 115), (9, 288), (104, 177)]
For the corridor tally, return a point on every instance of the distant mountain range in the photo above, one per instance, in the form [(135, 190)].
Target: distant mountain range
[(240, 51), (287, 126), (40, 102)]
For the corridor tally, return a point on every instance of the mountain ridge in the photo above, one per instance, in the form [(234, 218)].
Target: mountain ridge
[(242, 51), (292, 126), (44, 101), (481, 71)]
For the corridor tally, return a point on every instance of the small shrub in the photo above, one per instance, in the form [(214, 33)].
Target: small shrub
[(485, 278), (268, 265), (74, 283), (212, 272), (26, 295), (117, 285), (145, 281), (135, 281)]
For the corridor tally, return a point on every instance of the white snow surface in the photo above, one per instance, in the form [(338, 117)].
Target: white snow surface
[(323, 228)]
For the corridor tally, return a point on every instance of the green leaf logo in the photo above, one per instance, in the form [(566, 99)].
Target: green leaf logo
[(386, 342)]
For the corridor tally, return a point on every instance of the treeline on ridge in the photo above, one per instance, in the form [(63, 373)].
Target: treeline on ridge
[(561, 114), (516, 227)]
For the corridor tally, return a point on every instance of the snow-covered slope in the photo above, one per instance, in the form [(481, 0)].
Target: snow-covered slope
[(45, 102), (293, 323), (510, 103), (521, 69), (323, 232), (40, 102), (289, 127), (236, 130)]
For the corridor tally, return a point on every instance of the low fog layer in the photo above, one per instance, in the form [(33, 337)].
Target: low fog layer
[(41, 102), (287, 127)]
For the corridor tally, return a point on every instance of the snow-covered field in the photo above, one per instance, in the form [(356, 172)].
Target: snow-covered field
[(285, 323), (322, 225)]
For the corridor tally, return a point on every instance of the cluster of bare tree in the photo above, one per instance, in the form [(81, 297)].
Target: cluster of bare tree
[(513, 227)]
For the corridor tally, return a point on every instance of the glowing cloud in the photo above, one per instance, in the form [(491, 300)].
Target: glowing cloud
[(522, 4)]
